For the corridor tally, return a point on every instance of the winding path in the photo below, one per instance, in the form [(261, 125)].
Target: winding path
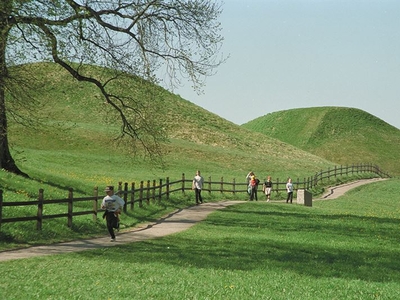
[(173, 223), (340, 190)]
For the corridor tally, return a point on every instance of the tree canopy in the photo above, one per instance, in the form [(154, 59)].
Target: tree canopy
[(158, 41)]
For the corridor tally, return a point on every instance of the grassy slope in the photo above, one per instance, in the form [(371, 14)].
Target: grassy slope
[(341, 135), (77, 147), (340, 249)]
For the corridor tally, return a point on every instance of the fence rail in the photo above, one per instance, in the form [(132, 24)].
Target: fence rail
[(151, 190)]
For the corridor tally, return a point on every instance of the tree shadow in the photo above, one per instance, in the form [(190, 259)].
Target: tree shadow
[(217, 243)]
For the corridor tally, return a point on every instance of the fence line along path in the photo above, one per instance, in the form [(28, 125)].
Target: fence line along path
[(173, 223), (71, 207)]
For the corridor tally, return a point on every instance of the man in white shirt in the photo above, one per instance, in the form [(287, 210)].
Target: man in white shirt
[(197, 185), (113, 205)]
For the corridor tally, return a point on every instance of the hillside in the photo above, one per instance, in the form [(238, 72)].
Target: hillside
[(75, 144), (341, 135)]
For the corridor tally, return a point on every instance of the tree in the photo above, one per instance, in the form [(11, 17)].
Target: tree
[(147, 38)]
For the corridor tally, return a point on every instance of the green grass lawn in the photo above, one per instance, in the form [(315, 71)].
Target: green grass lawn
[(338, 249)]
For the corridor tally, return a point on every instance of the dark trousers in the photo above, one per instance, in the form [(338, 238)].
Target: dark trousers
[(198, 196), (289, 197), (112, 222), (253, 194)]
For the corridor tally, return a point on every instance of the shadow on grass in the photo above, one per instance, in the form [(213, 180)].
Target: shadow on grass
[(316, 245)]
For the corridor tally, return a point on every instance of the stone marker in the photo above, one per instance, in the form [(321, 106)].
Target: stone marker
[(304, 197)]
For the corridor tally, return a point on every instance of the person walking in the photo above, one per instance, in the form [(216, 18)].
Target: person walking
[(248, 179), (253, 188), (197, 186), (113, 205), (289, 189), (267, 188)]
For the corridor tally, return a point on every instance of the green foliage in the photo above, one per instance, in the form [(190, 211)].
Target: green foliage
[(338, 249), (342, 135)]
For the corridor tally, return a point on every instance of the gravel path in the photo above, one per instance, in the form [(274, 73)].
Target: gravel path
[(173, 223)]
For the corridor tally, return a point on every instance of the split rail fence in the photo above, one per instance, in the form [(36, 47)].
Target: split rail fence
[(156, 191)]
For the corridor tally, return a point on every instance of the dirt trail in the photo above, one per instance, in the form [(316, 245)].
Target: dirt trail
[(337, 191), (173, 223)]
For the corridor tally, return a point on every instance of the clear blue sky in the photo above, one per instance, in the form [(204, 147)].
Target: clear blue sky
[(288, 54)]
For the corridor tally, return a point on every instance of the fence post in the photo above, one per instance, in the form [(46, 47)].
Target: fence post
[(1, 206), (153, 191), (70, 209), (160, 190), (277, 185), (141, 194), (183, 182), (234, 186), (209, 185), (148, 192), (125, 197), (40, 210), (132, 195), (222, 185), (167, 186), (95, 202)]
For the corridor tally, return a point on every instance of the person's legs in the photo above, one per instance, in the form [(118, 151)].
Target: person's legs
[(268, 194), (289, 197), (200, 198), (253, 193), (110, 222)]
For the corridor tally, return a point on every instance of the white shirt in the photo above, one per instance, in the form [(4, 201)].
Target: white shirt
[(198, 182), (289, 187), (112, 203)]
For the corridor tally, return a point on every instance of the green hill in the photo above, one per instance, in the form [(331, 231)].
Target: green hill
[(69, 140), (75, 144), (341, 135)]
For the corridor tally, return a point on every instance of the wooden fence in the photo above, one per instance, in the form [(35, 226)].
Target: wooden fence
[(153, 190)]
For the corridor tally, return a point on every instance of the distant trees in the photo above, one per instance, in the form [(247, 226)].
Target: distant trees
[(152, 39)]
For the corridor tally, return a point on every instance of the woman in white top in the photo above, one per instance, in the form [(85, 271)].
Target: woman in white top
[(289, 189)]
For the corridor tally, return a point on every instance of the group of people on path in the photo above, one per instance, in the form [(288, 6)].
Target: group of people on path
[(252, 183), (113, 204), (252, 187)]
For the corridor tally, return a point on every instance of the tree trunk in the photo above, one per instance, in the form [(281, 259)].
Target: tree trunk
[(6, 161)]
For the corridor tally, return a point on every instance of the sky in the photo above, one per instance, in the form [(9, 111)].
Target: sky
[(286, 54)]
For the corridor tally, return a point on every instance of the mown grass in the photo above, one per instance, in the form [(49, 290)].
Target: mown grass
[(338, 249), (255, 250)]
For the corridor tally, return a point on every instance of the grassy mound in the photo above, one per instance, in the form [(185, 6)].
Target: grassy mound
[(342, 135)]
